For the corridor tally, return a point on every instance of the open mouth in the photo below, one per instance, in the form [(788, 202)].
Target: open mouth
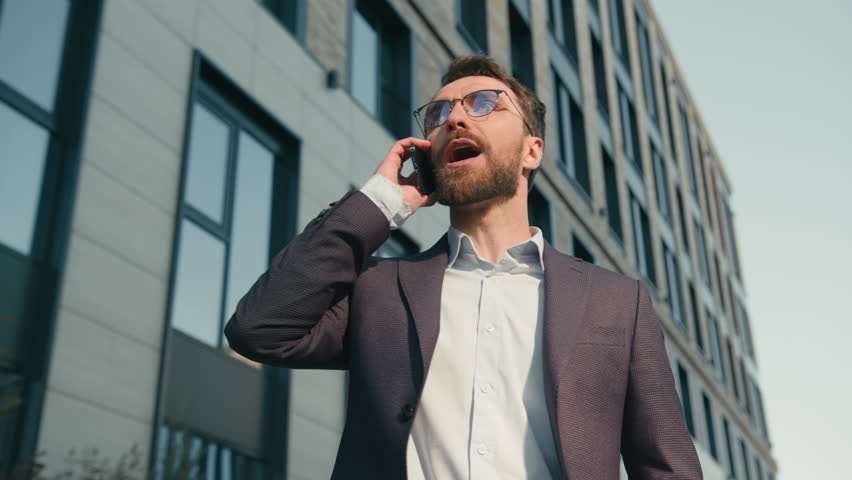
[(461, 150)]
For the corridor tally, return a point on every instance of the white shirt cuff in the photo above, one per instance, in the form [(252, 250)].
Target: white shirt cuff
[(388, 197)]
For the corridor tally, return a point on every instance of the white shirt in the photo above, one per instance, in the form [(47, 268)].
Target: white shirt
[(482, 413)]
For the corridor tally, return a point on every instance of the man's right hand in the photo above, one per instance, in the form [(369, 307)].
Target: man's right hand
[(391, 168)]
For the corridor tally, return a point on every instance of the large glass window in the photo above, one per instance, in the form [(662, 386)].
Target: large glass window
[(521, 48), (681, 207), (715, 346), (32, 37), (666, 104), (185, 454), (744, 453), (675, 298), (380, 65), (473, 24), (581, 250), (710, 425), (629, 129), (225, 233), (572, 137), (648, 83), (687, 149), (703, 264), (686, 398), (696, 320), (642, 242), (600, 77), (732, 370), (618, 32), (732, 470), (538, 210), (398, 245), (560, 20), (661, 182), (613, 203)]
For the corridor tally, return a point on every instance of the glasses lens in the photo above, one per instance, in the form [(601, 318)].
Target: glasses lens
[(481, 103), (436, 113)]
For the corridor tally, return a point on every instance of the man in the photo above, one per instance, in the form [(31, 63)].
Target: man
[(490, 355)]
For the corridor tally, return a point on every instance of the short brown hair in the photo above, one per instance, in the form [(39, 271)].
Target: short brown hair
[(482, 65)]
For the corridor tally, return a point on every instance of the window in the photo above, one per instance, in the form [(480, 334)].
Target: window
[(560, 20), (629, 130), (729, 224), (538, 210), (711, 430), (702, 254), (473, 24), (716, 347), (709, 189), (758, 466), (572, 137), (746, 326), (600, 77), (225, 230), (687, 149), (181, 451), (618, 31), (673, 280), (642, 242), (667, 106), (398, 245), (380, 65), (696, 320), (732, 368), (685, 400), (746, 393), (613, 202), (46, 58), (732, 471), (647, 72), (285, 11), (661, 182), (718, 274), (681, 208), (580, 249), (521, 45), (761, 416), (744, 453)]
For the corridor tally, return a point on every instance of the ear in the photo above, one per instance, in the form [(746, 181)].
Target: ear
[(533, 152)]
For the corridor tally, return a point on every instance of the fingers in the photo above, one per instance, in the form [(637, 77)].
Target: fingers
[(392, 164)]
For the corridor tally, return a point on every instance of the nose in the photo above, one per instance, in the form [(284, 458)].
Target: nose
[(458, 117)]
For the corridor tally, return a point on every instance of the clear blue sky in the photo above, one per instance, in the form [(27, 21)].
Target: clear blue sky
[(773, 83)]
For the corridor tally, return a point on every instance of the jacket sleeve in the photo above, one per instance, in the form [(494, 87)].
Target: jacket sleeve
[(655, 443), (296, 314)]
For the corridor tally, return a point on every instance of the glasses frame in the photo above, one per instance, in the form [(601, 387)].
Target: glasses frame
[(422, 124)]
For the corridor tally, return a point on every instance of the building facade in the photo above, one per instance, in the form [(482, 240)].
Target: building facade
[(155, 155)]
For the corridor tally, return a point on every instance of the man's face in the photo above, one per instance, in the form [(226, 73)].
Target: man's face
[(477, 158)]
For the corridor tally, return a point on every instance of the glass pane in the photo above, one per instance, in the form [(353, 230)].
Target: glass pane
[(208, 160), (32, 33), (249, 256), (23, 146), (365, 63), (225, 466), (198, 286)]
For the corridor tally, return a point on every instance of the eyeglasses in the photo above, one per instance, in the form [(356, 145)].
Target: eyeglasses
[(476, 104)]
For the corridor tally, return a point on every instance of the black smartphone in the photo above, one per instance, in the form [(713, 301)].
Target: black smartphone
[(423, 169)]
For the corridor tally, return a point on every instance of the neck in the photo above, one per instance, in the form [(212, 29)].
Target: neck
[(493, 225)]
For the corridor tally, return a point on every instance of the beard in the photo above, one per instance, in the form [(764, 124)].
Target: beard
[(499, 179)]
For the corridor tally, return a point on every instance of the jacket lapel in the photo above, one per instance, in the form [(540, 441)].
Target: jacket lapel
[(421, 279), (566, 282)]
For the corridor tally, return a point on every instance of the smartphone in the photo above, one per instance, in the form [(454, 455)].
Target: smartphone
[(423, 169)]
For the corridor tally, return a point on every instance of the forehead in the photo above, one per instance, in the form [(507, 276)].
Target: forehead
[(465, 85)]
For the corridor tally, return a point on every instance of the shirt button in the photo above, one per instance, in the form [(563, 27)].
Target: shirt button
[(489, 328), (485, 388), (482, 450)]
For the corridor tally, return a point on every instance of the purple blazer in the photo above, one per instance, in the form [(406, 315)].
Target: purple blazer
[(325, 303)]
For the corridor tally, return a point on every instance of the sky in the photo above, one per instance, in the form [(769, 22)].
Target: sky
[(773, 83)]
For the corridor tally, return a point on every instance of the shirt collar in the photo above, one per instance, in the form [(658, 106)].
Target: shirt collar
[(528, 254)]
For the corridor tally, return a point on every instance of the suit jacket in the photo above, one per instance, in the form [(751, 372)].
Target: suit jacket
[(325, 303)]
